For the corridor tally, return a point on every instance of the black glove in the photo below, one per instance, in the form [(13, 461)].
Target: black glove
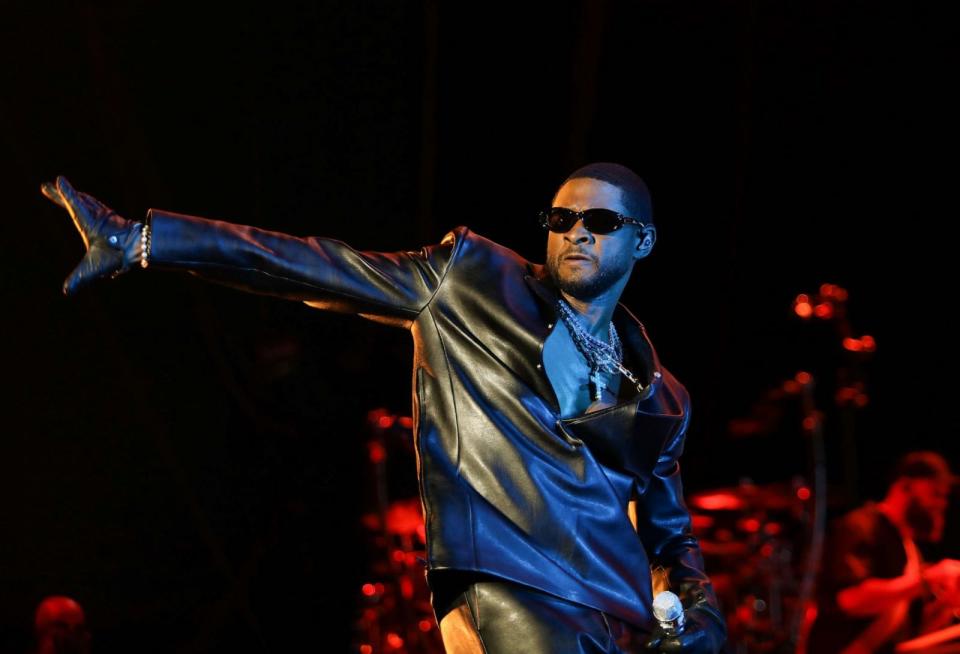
[(705, 633), (112, 242)]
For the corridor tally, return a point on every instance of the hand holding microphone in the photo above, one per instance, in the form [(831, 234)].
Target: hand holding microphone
[(668, 611), (698, 630)]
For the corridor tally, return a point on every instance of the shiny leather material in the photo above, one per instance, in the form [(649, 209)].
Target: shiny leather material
[(496, 617), (112, 242), (508, 487)]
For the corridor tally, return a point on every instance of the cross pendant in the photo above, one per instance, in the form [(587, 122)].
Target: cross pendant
[(596, 385)]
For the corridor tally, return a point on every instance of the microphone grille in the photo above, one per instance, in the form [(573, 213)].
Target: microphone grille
[(667, 607)]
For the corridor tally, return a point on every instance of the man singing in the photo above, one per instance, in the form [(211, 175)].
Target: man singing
[(547, 431)]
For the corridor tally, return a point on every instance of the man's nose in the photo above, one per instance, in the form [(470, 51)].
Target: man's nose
[(578, 233)]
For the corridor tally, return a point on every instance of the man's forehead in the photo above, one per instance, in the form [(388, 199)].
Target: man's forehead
[(588, 193)]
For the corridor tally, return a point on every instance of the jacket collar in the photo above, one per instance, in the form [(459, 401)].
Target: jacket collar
[(637, 345)]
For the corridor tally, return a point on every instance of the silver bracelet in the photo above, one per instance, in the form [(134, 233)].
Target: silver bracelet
[(145, 246)]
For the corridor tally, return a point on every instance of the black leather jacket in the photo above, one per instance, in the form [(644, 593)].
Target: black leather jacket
[(508, 488)]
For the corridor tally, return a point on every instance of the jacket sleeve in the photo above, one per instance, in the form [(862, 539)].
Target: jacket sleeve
[(665, 527), (323, 272)]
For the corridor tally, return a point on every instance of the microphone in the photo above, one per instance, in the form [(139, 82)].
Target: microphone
[(668, 611)]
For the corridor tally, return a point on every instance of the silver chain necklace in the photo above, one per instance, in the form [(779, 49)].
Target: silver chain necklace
[(600, 356)]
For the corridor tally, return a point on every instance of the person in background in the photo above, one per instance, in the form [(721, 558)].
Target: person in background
[(875, 590), (60, 627)]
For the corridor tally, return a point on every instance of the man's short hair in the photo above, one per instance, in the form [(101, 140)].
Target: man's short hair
[(923, 465), (635, 194)]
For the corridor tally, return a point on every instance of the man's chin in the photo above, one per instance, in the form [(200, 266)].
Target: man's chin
[(584, 288), (575, 281)]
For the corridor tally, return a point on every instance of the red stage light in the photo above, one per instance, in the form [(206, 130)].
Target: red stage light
[(852, 344), (803, 378), (701, 522), (385, 422), (719, 502), (833, 291), (377, 451), (369, 590), (366, 649), (803, 309), (394, 641), (846, 394), (803, 493), (404, 517), (406, 587), (824, 311), (425, 626)]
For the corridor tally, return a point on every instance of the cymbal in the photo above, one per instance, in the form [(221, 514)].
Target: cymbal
[(777, 496)]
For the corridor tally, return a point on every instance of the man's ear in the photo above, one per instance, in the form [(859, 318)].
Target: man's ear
[(647, 237)]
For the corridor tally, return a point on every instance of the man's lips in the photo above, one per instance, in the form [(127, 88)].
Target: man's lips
[(576, 256)]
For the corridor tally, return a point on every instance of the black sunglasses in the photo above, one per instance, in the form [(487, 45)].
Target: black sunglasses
[(598, 221)]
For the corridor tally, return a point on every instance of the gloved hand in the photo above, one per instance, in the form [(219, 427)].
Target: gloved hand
[(705, 633), (112, 242)]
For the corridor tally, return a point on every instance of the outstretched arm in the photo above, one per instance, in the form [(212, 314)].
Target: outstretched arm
[(874, 595), (323, 272)]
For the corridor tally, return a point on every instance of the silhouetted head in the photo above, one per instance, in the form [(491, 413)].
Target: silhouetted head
[(923, 481), (60, 627)]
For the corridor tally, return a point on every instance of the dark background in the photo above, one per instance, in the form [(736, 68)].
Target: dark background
[(188, 461)]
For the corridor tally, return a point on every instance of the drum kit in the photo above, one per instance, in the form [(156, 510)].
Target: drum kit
[(753, 541), (395, 615)]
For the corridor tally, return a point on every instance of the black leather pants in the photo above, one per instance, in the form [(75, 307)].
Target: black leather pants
[(499, 617)]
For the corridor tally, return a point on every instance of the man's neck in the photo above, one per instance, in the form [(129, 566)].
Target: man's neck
[(596, 313)]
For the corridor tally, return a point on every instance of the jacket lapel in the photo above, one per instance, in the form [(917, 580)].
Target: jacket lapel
[(630, 435)]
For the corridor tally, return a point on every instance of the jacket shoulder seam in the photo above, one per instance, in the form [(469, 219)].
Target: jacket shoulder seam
[(457, 247)]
